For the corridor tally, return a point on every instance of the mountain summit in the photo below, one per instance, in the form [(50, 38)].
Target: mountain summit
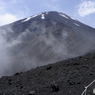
[(46, 38)]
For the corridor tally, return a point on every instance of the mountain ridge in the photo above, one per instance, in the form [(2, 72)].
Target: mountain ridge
[(52, 12)]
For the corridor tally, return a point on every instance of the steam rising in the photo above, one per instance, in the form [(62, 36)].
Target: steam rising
[(5, 63)]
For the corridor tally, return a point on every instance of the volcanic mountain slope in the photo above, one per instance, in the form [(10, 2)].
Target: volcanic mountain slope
[(46, 38), (69, 77)]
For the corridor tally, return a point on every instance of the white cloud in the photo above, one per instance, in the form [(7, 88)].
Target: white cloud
[(7, 18), (86, 8), (10, 13)]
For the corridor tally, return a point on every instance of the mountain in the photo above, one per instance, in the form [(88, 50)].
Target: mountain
[(45, 38)]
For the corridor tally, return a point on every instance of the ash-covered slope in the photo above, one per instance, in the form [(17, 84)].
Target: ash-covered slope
[(45, 38), (69, 77)]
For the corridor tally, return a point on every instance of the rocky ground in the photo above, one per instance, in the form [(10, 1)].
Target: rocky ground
[(67, 77)]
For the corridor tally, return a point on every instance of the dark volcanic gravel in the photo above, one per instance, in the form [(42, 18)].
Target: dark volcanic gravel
[(67, 77)]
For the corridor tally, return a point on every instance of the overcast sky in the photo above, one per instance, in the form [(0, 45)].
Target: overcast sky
[(12, 10)]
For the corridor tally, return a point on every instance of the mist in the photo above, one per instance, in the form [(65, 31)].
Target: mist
[(5, 59)]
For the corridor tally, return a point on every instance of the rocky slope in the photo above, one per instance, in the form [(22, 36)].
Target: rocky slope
[(69, 77)]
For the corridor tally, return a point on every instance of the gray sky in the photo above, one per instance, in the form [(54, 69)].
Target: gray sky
[(12, 10)]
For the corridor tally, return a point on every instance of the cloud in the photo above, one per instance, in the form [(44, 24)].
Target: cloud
[(7, 18), (9, 12), (86, 8)]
